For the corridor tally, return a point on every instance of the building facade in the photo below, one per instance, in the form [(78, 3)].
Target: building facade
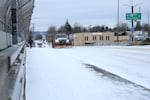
[(97, 38)]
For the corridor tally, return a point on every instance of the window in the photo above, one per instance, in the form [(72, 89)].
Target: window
[(86, 38), (94, 37), (108, 37)]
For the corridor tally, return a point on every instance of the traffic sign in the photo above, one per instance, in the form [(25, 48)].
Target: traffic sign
[(133, 16)]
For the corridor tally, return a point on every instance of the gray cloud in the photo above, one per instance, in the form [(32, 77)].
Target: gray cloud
[(85, 12)]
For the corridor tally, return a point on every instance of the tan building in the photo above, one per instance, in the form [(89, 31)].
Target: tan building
[(105, 38), (97, 38)]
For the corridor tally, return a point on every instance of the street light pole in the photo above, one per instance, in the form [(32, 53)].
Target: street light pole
[(132, 20), (132, 11)]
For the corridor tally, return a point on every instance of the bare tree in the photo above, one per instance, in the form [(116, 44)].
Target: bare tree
[(138, 26), (51, 32), (122, 27), (146, 28), (77, 28), (61, 29)]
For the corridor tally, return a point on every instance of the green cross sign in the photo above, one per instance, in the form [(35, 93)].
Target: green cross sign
[(134, 16)]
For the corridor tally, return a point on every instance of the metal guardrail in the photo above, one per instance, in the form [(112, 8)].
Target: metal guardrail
[(12, 73)]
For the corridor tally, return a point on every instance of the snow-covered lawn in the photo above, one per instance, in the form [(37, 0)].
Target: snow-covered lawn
[(61, 74)]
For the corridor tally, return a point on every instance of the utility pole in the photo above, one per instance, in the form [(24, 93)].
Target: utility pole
[(33, 29), (148, 26), (118, 22)]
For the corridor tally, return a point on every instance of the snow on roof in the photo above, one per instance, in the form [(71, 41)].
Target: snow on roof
[(97, 33)]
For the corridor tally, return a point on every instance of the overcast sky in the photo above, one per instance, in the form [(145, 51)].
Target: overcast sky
[(85, 12)]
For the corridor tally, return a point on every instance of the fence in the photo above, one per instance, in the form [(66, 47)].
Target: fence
[(109, 44)]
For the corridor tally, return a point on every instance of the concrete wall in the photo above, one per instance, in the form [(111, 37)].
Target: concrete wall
[(77, 39), (5, 40), (9, 39), (3, 78)]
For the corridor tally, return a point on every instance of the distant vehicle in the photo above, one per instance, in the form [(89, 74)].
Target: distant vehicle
[(147, 41), (139, 37), (39, 43), (61, 40)]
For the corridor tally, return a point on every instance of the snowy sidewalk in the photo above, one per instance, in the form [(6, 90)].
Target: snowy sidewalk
[(56, 74)]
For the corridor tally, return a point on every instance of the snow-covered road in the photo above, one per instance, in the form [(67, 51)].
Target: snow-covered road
[(60, 74)]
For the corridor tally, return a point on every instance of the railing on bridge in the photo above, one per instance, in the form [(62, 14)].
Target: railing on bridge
[(12, 55), (12, 73)]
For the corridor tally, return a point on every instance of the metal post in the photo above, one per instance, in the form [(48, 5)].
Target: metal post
[(5, 27), (132, 11), (14, 23)]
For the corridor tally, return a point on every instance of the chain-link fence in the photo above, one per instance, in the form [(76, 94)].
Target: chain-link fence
[(24, 10)]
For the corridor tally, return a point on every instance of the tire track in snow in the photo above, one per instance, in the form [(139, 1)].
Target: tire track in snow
[(115, 77)]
